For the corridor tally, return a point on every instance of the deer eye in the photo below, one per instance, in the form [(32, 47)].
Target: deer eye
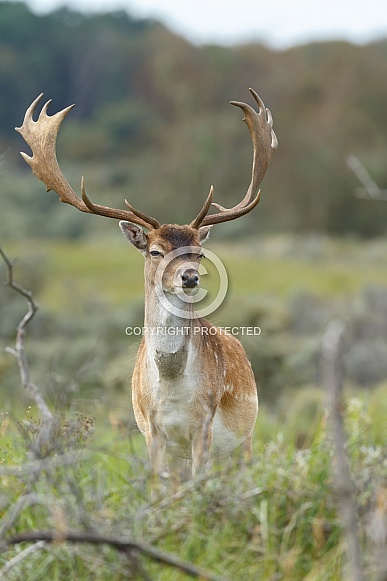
[(155, 253)]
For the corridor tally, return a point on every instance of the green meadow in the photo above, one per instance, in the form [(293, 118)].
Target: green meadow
[(273, 519), (152, 123), (275, 266)]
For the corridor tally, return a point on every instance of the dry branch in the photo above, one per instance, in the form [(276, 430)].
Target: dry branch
[(47, 419), (119, 544), (20, 557), (332, 378), (14, 511)]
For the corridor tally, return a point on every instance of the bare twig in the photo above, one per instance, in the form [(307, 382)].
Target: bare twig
[(119, 544), (19, 353), (332, 377), (14, 511), (20, 557), (50, 463), (377, 532), (370, 189)]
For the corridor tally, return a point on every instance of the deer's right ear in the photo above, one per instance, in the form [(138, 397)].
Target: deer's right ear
[(135, 234)]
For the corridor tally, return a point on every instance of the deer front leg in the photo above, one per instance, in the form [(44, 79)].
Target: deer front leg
[(157, 453), (202, 440), (201, 445), (157, 448), (156, 442)]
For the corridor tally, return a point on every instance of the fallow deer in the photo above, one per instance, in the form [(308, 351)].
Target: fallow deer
[(191, 391)]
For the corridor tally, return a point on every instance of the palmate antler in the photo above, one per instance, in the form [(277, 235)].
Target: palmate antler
[(41, 136), (265, 143)]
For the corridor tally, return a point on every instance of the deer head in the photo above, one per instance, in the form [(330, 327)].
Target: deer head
[(145, 233)]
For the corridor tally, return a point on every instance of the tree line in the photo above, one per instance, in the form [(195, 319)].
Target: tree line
[(152, 121)]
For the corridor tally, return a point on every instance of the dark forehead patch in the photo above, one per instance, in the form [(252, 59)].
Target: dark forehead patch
[(179, 236)]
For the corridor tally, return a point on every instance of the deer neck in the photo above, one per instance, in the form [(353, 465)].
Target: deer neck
[(167, 334)]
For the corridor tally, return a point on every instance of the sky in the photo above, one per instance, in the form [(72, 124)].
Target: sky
[(278, 23)]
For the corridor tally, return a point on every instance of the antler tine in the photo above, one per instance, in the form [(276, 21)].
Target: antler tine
[(199, 218), (151, 221), (41, 136), (134, 216), (260, 125)]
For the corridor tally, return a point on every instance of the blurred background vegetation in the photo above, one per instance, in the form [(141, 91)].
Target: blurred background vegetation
[(152, 123)]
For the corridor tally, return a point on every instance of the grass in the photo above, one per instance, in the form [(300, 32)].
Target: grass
[(273, 519), (283, 277), (75, 270), (283, 266)]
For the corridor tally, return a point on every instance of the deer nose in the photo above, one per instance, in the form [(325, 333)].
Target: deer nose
[(190, 278)]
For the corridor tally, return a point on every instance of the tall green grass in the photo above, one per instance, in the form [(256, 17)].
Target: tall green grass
[(275, 518)]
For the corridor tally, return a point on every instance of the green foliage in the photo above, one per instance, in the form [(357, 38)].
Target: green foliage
[(276, 517), (90, 292), (152, 123)]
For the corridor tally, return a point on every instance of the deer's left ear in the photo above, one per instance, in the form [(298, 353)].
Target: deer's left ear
[(135, 234), (204, 233)]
